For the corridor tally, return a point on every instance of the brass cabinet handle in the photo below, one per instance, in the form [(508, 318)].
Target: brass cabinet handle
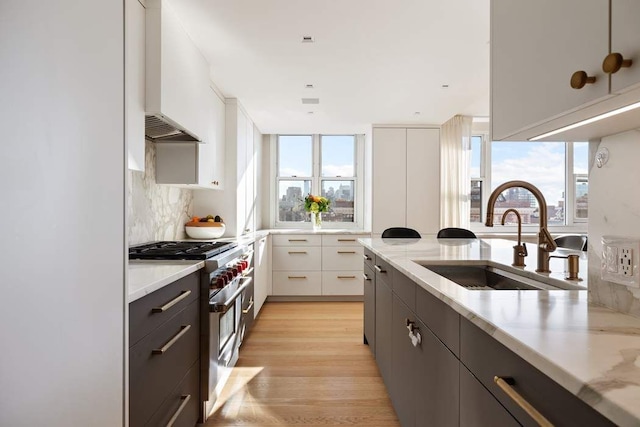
[(367, 278), (297, 240), (346, 240), (614, 61), (346, 277), (171, 303), (172, 341), (346, 252), (580, 78), (366, 257), (380, 270), (297, 252), (185, 399), (297, 277), (248, 309), (505, 385)]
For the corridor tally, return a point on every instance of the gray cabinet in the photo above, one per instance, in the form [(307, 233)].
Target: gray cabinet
[(478, 407), (370, 308), (383, 320), (404, 359), (164, 368)]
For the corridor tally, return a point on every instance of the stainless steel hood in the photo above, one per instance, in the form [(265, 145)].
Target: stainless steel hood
[(159, 128)]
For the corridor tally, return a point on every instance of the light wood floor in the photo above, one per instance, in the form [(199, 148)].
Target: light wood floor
[(304, 363)]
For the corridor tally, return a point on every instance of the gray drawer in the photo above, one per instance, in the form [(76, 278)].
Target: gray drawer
[(443, 321), (186, 414), (485, 358), (383, 270), (144, 319), (369, 257), (405, 289), (153, 376)]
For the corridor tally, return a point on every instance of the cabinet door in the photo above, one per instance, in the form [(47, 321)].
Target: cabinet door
[(370, 308), (241, 177), (423, 180), (535, 48), (437, 375), (207, 151), (478, 407), (262, 274), (625, 39), (384, 302), (403, 365), (389, 178), (134, 82), (250, 174)]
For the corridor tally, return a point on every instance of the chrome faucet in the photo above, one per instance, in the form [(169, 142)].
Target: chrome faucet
[(520, 250), (546, 244)]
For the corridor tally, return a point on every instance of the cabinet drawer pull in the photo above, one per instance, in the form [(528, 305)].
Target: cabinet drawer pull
[(580, 79), (505, 385), (367, 278), (614, 61), (380, 270), (346, 240), (185, 399), (366, 257), (297, 277), (297, 240), (172, 341), (346, 277), (248, 309), (346, 252), (171, 303), (297, 252)]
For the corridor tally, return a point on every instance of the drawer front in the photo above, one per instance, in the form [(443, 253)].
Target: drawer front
[(287, 258), (478, 408), (369, 257), (342, 258), (145, 314), (384, 271), (486, 358), (176, 407), (370, 307), (342, 282), (342, 239), (297, 283), (296, 240), (405, 288), (443, 321), (153, 376)]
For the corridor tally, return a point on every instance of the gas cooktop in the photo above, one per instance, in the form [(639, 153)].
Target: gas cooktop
[(179, 250)]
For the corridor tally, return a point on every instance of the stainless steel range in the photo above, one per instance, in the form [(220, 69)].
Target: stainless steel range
[(226, 303)]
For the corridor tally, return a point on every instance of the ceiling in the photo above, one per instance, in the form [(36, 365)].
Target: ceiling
[(372, 61)]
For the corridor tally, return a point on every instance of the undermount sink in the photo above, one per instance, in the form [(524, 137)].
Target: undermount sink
[(487, 277)]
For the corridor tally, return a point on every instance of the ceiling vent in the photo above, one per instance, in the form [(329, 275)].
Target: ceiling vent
[(311, 100)]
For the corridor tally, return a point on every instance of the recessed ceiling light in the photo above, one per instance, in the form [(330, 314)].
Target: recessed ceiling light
[(308, 86), (311, 100), (309, 112), (307, 39), (417, 113), (445, 86)]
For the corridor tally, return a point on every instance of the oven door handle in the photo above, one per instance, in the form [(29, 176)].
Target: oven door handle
[(224, 307)]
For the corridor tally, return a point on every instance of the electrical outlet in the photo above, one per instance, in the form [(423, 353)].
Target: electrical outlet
[(620, 261)]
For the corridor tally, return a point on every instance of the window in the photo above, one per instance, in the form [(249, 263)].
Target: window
[(558, 169), (318, 164)]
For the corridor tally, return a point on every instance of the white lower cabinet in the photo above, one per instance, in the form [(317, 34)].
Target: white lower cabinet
[(314, 265)]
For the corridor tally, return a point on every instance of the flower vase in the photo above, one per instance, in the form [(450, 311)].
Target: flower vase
[(316, 220)]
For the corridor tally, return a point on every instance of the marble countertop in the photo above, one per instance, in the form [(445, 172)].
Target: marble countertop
[(590, 350), (148, 276)]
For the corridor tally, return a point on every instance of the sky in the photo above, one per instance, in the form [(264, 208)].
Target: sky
[(295, 155)]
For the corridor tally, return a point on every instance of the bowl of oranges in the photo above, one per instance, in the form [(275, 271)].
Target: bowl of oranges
[(209, 227)]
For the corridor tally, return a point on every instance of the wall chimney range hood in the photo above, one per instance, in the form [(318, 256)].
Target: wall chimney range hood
[(177, 79)]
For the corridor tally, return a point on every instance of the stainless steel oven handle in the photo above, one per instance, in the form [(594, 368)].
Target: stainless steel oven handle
[(223, 308), (248, 309)]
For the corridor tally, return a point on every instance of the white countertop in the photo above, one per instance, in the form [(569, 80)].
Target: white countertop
[(591, 351), (148, 276)]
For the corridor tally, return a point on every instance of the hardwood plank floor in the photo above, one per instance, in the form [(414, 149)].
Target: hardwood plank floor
[(304, 363)]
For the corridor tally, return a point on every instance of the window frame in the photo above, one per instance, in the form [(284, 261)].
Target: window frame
[(316, 182), (572, 224)]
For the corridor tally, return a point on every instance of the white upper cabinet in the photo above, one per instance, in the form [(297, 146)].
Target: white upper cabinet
[(177, 75), (389, 178), (537, 46), (134, 82)]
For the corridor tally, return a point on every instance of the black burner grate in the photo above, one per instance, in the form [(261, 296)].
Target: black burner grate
[(179, 250)]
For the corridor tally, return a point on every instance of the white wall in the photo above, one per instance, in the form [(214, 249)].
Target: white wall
[(62, 172), (614, 209)]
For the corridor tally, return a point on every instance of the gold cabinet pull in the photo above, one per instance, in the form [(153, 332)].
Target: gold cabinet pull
[(171, 303), (346, 252), (297, 240), (172, 341), (297, 277), (185, 399), (580, 79), (346, 240), (297, 252), (505, 385), (613, 62), (346, 277)]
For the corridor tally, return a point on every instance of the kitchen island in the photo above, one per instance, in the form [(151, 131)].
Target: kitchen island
[(588, 350)]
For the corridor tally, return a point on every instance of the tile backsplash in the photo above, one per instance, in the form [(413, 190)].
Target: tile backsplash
[(156, 212), (614, 209)]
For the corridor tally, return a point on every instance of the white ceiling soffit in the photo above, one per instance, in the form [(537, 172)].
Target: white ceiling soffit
[(371, 61)]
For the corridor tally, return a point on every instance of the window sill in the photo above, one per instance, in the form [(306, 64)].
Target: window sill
[(555, 230)]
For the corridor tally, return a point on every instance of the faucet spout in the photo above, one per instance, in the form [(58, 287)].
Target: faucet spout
[(545, 241)]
